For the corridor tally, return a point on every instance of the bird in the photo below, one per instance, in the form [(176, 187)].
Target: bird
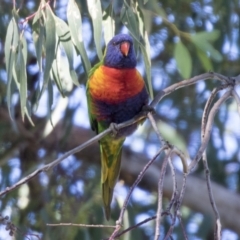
[(116, 92)]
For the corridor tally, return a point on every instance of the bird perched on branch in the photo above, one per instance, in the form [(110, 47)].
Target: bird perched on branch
[(115, 93)]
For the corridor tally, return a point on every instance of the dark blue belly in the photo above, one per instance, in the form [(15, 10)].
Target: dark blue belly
[(121, 112)]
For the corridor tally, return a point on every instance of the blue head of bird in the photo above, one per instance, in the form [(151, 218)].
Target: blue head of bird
[(120, 52)]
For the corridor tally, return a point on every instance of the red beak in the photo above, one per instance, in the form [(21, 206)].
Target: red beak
[(124, 47)]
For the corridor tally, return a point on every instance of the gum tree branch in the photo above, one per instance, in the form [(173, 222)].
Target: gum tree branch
[(139, 178), (217, 232), (211, 75), (160, 195), (209, 125)]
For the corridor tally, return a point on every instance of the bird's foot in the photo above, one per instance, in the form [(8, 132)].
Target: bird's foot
[(114, 128), (148, 109)]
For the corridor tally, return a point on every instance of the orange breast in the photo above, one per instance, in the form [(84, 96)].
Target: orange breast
[(115, 85)]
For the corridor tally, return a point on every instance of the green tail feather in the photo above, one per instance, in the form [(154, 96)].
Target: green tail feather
[(111, 152)]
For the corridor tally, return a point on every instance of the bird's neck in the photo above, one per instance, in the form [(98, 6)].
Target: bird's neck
[(115, 85)]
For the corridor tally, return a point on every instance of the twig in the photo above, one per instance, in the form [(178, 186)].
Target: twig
[(207, 107), (183, 229), (56, 162), (80, 225), (139, 224), (135, 226), (209, 125), (139, 178), (182, 157), (154, 125), (188, 82), (217, 232), (237, 99), (205, 162), (178, 205), (33, 15), (139, 117), (175, 188), (51, 165), (160, 195)]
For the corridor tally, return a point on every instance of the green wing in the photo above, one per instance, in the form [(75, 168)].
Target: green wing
[(93, 121)]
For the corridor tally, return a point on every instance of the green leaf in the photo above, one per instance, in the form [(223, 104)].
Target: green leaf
[(74, 77), (95, 11), (108, 24), (38, 37), (129, 19), (61, 75), (147, 61), (64, 35), (27, 111), (62, 30), (50, 101), (21, 76), (56, 77), (11, 45), (75, 25), (207, 36), (183, 59), (206, 62), (145, 49), (155, 7), (50, 46), (201, 41)]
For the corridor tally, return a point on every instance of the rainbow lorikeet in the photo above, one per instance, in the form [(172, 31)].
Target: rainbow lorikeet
[(116, 93)]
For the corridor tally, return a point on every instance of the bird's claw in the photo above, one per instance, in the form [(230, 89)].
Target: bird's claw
[(148, 109), (114, 128)]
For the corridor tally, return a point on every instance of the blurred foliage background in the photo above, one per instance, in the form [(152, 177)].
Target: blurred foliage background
[(184, 38)]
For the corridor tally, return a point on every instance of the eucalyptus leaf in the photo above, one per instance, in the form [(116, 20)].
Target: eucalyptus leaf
[(205, 46), (75, 25), (205, 60), (11, 45), (155, 7), (147, 61), (95, 10), (207, 36), (202, 41), (50, 46), (56, 77), (64, 35), (183, 59), (21, 77), (129, 19), (50, 100), (108, 24), (38, 38), (27, 113)]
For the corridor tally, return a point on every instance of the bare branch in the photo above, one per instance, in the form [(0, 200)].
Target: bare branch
[(139, 178), (80, 225), (205, 163), (188, 82), (160, 195), (182, 157), (237, 99), (208, 106), (56, 162), (209, 125), (135, 226)]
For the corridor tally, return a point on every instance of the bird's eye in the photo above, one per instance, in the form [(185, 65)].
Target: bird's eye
[(114, 43)]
